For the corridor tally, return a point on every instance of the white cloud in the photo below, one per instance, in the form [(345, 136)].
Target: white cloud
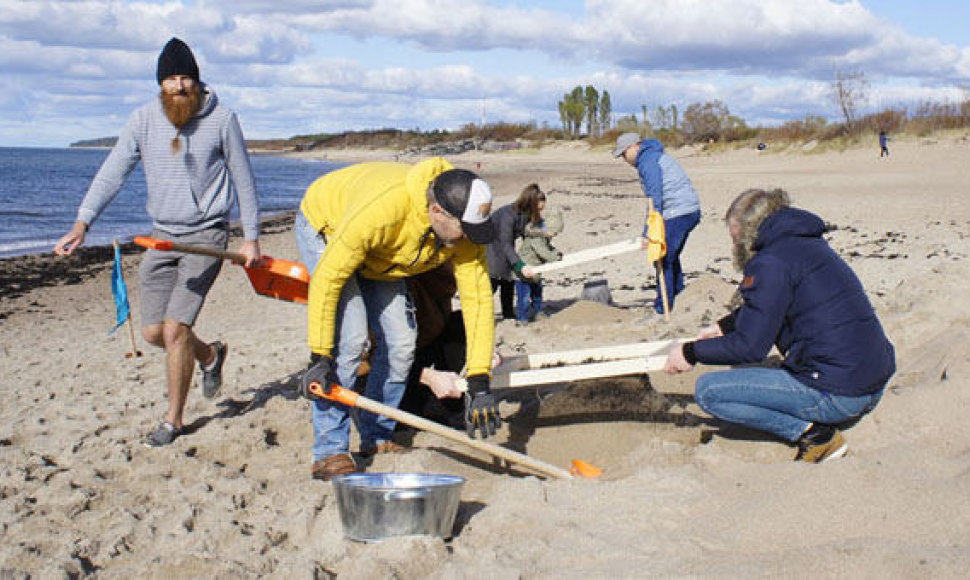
[(75, 68)]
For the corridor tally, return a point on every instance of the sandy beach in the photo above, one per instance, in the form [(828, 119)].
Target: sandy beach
[(681, 495)]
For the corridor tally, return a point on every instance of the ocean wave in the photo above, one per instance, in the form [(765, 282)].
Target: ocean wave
[(22, 213), (24, 247)]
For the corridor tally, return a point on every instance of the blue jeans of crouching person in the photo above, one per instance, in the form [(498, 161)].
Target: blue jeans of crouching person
[(772, 400)]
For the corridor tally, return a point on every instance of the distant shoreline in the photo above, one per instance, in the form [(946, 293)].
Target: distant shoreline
[(21, 274)]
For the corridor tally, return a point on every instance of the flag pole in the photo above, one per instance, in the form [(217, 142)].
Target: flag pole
[(661, 279), (134, 347), (131, 327)]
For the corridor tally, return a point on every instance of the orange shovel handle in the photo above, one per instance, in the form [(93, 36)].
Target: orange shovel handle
[(335, 393), (170, 246), (339, 394)]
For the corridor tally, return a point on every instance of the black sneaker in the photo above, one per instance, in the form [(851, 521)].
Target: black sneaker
[(821, 443), (163, 435), (212, 377)]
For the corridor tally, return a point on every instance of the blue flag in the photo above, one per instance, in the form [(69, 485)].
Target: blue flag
[(120, 291)]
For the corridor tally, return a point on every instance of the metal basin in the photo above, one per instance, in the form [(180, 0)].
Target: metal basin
[(374, 506)]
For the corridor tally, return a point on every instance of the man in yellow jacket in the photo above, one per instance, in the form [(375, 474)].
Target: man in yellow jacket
[(361, 231)]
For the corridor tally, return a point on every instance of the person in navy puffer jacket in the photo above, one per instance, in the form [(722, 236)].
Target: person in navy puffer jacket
[(801, 297)]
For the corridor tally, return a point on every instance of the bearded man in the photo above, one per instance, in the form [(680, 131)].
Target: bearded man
[(797, 295), (196, 168)]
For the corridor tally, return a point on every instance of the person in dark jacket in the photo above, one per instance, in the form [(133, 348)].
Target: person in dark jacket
[(439, 352), (801, 297), (883, 144), (503, 260)]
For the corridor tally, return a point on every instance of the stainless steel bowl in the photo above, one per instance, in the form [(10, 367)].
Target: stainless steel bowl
[(374, 506)]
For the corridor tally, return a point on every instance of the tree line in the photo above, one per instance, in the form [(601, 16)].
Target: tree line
[(712, 121), (587, 112), (585, 105)]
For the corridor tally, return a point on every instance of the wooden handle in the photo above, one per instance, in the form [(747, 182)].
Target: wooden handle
[(170, 246), (588, 255), (350, 398)]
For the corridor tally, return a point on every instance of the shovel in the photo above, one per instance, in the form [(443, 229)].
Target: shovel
[(281, 279), (352, 399)]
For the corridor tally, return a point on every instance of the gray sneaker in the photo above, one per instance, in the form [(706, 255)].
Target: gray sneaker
[(163, 435), (212, 378)]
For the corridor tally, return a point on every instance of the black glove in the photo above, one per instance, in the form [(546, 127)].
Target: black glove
[(320, 371), (481, 408)]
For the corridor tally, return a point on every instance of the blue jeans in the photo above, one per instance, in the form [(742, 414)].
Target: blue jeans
[(385, 309), (677, 230), (773, 400), (528, 300)]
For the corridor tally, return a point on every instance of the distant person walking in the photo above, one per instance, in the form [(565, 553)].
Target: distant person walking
[(196, 168), (666, 183), (883, 144)]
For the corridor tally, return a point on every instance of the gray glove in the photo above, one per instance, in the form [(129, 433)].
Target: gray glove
[(481, 408), (320, 371)]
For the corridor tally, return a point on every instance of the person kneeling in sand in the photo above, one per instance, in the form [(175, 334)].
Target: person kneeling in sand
[(800, 296), (361, 231)]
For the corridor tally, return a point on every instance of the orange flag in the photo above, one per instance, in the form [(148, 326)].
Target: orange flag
[(656, 237)]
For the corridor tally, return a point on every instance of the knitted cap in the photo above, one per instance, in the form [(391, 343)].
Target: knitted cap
[(176, 59)]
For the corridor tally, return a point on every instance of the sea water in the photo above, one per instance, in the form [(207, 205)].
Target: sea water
[(41, 189)]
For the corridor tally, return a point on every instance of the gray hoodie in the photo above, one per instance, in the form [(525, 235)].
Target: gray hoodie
[(188, 190)]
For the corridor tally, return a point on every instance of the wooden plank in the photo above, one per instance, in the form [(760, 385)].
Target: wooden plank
[(588, 255), (587, 355), (565, 374), (578, 372)]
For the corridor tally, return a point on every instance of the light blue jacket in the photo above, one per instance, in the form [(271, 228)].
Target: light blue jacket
[(664, 181)]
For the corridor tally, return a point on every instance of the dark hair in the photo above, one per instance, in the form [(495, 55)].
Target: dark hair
[(450, 190), (528, 202)]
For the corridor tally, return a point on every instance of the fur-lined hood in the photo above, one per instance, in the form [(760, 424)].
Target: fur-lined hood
[(787, 221)]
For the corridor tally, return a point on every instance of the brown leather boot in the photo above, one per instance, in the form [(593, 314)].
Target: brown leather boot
[(382, 447), (328, 467)]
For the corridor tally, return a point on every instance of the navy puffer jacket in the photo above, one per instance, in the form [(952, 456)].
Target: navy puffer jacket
[(800, 296)]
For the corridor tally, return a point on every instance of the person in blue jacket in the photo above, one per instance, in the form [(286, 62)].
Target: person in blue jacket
[(801, 297), (666, 183)]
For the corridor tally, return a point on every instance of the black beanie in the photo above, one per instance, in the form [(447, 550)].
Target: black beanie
[(176, 59)]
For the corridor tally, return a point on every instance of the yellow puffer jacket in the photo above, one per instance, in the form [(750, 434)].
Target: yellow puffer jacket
[(375, 219)]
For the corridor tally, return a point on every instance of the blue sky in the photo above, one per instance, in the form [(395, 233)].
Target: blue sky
[(75, 70)]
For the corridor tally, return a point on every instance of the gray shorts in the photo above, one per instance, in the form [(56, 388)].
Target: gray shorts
[(173, 285)]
